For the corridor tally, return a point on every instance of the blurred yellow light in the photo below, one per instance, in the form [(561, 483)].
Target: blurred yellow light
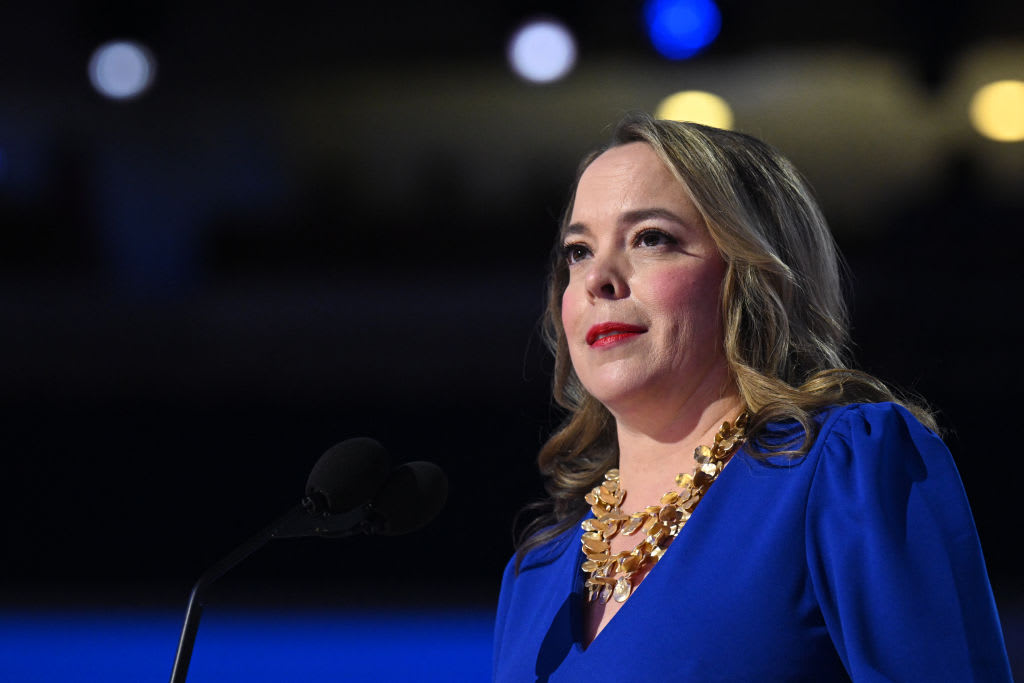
[(696, 106), (997, 111)]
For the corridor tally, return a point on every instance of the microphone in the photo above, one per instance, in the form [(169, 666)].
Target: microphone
[(341, 482), (412, 495), (349, 490), (346, 476)]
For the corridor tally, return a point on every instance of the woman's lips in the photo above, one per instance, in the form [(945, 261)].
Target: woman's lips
[(605, 334)]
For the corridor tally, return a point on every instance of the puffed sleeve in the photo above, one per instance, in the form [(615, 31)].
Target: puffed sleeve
[(894, 556)]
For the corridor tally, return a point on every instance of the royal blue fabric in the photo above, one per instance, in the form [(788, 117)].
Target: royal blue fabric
[(859, 560)]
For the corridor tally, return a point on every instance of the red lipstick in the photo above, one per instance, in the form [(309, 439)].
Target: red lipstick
[(606, 334)]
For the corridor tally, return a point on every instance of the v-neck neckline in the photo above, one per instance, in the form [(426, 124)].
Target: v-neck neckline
[(576, 585)]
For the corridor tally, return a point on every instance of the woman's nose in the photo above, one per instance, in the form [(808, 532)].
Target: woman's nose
[(605, 278)]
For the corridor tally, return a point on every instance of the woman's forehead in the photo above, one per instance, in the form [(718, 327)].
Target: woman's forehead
[(627, 178)]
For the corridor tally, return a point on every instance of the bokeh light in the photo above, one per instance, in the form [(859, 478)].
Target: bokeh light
[(121, 69), (997, 111), (542, 51), (696, 106), (681, 28)]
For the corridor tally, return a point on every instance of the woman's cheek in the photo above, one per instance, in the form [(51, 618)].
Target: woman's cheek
[(674, 291), (569, 307), (696, 289)]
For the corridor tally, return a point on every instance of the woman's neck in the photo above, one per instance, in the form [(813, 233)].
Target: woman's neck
[(651, 455)]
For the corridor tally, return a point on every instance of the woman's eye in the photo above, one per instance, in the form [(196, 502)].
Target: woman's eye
[(575, 252), (653, 238)]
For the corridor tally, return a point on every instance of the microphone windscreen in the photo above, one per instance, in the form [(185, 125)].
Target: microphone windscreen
[(411, 496), (349, 473)]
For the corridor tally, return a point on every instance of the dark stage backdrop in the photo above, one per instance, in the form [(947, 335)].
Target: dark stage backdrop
[(319, 225)]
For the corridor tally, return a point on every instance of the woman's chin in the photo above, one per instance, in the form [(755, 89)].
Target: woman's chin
[(623, 398)]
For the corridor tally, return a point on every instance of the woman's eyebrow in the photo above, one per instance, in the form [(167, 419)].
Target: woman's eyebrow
[(628, 218), (640, 215), (575, 229)]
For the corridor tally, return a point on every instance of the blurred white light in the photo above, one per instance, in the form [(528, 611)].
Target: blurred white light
[(121, 69), (542, 51)]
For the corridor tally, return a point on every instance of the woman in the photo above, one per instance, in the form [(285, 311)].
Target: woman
[(697, 321)]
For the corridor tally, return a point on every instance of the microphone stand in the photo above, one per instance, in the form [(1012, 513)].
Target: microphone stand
[(299, 521)]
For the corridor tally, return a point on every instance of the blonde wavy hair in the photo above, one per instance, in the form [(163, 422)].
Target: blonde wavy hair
[(786, 325)]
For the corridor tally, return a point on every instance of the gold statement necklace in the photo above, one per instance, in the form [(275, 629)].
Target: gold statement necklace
[(612, 575)]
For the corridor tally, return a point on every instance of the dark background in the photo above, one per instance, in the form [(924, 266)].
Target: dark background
[(323, 223)]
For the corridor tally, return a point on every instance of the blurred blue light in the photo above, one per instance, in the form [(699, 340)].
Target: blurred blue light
[(111, 646), (682, 28)]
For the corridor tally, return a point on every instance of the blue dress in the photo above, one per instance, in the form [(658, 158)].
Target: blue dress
[(859, 560)]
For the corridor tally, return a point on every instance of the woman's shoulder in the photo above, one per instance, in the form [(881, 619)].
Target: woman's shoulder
[(881, 415), (866, 430), (880, 453), (851, 441), (853, 427), (549, 551)]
